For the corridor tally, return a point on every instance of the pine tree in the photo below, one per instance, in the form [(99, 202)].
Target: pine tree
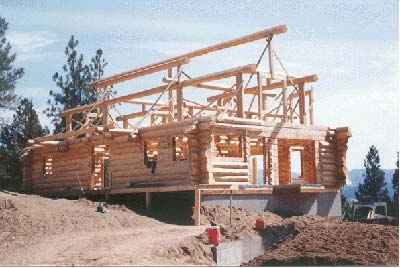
[(8, 74), (374, 187), (395, 181), (74, 84), (13, 138)]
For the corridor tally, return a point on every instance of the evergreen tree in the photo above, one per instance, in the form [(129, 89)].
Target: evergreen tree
[(395, 181), (374, 187), (13, 138), (74, 84), (8, 74)]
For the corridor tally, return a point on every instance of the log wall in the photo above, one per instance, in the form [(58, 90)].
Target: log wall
[(324, 155)]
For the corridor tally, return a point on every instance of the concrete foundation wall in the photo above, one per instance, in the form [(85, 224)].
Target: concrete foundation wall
[(322, 204)]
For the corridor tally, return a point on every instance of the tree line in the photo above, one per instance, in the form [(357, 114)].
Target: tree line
[(72, 90)]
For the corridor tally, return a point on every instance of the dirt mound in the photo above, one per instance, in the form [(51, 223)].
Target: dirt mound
[(243, 222), (326, 241), (43, 231)]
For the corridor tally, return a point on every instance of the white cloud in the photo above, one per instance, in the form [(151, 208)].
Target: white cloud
[(30, 45)]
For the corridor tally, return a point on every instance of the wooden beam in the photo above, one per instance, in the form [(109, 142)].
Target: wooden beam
[(239, 95), (260, 97), (145, 102), (121, 77), (270, 62), (284, 100), (130, 116), (65, 135), (254, 90), (254, 170), (172, 62), (196, 209), (302, 104), (148, 201), (68, 122), (250, 68), (179, 97), (203, 85), (219, 75), (128, 97), (310, 106), (289, 82)]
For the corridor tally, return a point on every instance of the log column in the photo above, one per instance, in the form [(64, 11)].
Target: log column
[(239, 95), (207, 152)]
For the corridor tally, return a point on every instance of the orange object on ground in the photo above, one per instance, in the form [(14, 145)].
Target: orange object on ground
[(260, 224), (214, 235)]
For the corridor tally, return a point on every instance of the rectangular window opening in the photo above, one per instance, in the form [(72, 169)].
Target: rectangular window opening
[(47, 166), (180, 148), (228, 145), (150, 150), (296, 169)]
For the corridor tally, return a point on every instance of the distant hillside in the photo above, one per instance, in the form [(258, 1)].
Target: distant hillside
[(357, 176)]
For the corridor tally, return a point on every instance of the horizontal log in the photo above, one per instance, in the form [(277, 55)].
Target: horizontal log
[(121, 77)]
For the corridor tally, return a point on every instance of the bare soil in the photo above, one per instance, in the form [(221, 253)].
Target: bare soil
[(41, 231), (328, 242)]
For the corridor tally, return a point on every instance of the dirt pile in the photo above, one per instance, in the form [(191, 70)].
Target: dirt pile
[(243, 222), (326, 241), (42, 231)]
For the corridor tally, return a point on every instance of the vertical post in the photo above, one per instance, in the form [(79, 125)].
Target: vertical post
[(291, 110), (230, 207), (310, 104), (125, 123), (105, 112), (143, 107), (239, 95), (179, 98), (171, 100), (148, 201), (284, 100), (270, 61), (265, 160), (196, 210), (68, 121), (302, 104), (254, 166), (260, 97)]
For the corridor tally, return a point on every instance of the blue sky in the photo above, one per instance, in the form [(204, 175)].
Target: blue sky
[(351, 45)]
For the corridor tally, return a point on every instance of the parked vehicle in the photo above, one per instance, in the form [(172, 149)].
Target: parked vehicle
[(367, 212)]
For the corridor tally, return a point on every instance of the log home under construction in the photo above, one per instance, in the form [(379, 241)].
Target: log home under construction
[(176, 142)]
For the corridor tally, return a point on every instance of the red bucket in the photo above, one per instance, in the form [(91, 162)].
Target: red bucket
[(214, 235), (260, 225)]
